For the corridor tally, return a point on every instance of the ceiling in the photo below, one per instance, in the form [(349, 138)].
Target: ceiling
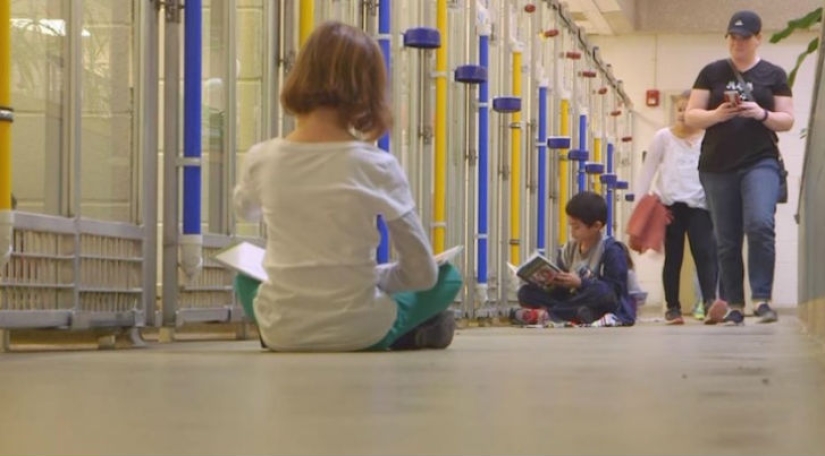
[(603, 17), (612, 17)]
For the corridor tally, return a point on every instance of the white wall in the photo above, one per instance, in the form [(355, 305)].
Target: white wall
[(670, 64)]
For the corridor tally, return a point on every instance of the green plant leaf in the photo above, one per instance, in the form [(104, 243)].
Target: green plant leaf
[(803, 23), (812, 47)]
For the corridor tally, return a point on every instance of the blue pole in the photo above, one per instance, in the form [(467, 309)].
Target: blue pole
[(583, 147), (542, 199), (384, 142), (609, 196), (483, 159), (192, 52)]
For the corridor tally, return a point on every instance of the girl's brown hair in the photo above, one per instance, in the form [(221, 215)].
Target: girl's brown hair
[(342, 68)]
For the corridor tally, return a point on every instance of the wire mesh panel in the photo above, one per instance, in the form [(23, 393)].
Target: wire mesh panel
[(72, 273), (110, 270), (209, 296), (40, 274)]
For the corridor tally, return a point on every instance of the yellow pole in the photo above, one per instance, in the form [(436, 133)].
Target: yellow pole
[(307, 21), (5, 102), (515, 166), (440, 194), (597, 158), (564, 171)]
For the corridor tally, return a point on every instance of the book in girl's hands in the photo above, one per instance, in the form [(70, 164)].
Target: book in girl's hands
[(248, 259), (245, 258), (448, 255), (539, 271)]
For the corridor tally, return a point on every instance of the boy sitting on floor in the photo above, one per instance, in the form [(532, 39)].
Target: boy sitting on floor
[(593, 288)]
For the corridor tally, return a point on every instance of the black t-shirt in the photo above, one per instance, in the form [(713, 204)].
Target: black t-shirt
[(739, 142)]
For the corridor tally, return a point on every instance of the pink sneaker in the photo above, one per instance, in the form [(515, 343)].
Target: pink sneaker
[(524, 316), (716, 312)]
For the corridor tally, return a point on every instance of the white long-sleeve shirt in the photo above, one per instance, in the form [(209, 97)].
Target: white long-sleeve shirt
[(677, 163), (319, 202)]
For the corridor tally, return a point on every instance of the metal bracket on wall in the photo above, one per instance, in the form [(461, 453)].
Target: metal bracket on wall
[(172, 9), (6, 114)]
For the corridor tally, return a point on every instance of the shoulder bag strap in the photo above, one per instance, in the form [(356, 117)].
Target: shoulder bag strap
[(741, 80)]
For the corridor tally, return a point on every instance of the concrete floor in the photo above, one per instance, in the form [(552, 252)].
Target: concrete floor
[(644, 390)]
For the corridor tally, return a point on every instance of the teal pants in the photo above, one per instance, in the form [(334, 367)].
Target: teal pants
[(414, 308)]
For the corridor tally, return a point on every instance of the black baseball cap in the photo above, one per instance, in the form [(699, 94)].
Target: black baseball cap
[(744, 23)]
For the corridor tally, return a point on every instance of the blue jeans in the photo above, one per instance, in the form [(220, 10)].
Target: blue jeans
[(743, 202)]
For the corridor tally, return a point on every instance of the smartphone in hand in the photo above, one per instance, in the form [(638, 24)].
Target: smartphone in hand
[(733, 97)]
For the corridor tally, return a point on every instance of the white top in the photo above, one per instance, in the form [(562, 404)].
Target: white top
[(319, 202), (677, 162)]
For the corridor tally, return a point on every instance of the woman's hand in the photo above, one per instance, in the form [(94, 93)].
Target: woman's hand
[(727, 111), (568, 280), (751, 110)]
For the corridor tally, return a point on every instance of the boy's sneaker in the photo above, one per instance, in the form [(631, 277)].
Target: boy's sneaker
[(765, 313), (608, 320), (699, 311), (437, 332), (734, 317), (674, 317), (716, 312)]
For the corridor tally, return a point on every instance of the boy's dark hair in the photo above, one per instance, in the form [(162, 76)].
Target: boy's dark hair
[(588, 207)]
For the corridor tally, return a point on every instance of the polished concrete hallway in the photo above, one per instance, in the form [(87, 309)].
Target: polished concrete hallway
[(644, 390)]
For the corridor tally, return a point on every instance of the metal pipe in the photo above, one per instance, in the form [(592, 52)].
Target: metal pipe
[(609, 192), (484, 28), (504, 162), (230, 139), (470, 160), (6, 119), (307, 20), (541, 217), (564, 170), (290, 51), (425, 155), (457, 179), (384, 40), (582, 182), (148, 96), (515, 162), (552, 58), (73, 124), (171, 144), (597, 158), (191, 242), (270, 71), (439, 196), (531, 209)]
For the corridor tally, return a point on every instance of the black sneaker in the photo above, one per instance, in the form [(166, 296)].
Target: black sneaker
[(674, 317), (734, 317), (437, 332), (765, 313)]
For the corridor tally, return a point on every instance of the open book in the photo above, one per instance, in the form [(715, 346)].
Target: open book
[(538, 270), (248, 259), (245, 258), (448, 255)]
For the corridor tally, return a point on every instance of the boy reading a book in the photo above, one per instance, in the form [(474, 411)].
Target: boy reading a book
[(591, 287)]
